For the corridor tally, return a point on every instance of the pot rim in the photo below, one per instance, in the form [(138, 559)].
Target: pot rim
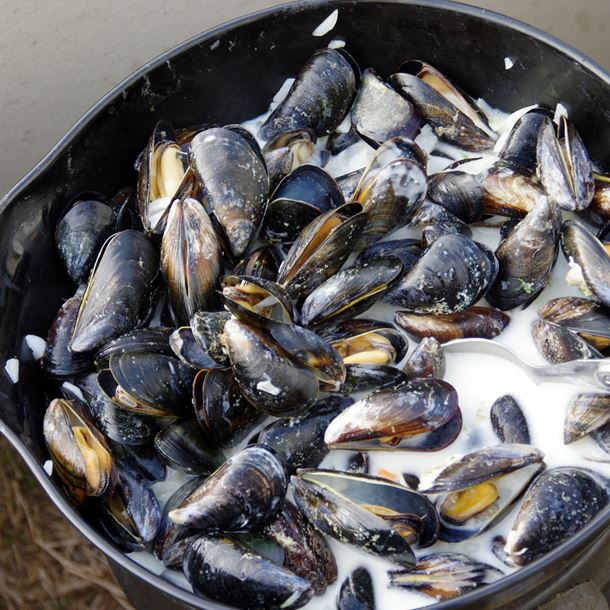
[(584, 539)]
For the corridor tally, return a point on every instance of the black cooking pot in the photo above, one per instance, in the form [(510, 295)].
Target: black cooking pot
[(230, 74)]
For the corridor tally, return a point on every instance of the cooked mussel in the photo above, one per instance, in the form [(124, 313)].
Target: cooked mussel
[(81, 457), (350, 291), (319, 98), (452, 274), (357, 591), (268, 377), (483, 322), (478, 489), (229, 572), (445, 575), (80, 234), (380, 113), (508, 421), (234, 183), (421, 414), (300, 142), (118, 296), (242, 495), (586, 412), (426, 361), (558, 505)]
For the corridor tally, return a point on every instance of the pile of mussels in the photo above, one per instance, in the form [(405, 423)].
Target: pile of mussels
[(215, 295)]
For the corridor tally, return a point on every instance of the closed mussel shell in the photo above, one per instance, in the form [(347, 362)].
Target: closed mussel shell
[(426, 361), (369, 377), (508, 421), (357, 592), (458, 192), (586, 412)]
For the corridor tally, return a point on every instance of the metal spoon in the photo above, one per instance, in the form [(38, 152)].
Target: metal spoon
[(594, 372)]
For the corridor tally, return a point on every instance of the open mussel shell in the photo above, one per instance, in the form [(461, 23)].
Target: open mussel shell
[(160, 175), (116, 423), (268, 377), (300, 441), (442, 106), (319, 98), (558, 344), (560, 503), (207, 328), (254, 300), (458, 192), (80, 234), (445, 575), (306, 552), (452, 274), (142, 340), (586, 317), (586, 412), (59, 360), (190, 259), (564, 168), (415, 415), (131, 516), (350, 292), (118, 296), (508, 421), (526, 256), (80, 455), (482, 322), (220, 157), (334, 513), (379, 112), (479, 488), (189, 350), (369, 377), (364, 341), (229, 572), (263, 262), (357, 592), (222, 411), (300, 142), (581, 248), (321, 249), (242, 495), (407, 251), (300, 197), (426, 361)]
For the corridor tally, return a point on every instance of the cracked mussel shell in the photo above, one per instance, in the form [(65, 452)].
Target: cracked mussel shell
[(246, 492), (417, 415), (478, 489), (81, 457), (451, 275), (230, 572), (319, 98), (118, 296)]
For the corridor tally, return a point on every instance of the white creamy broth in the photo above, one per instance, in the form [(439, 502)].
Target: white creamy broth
[(479, 380)]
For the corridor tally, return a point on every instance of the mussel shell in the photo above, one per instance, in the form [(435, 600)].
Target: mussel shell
[(242, 495), (221, 409), (118, 296), (143, 340), (189, 350), (226, 571), (520, 149), (59, 360), (444, 575), (207, 327), (584, 249), (350, 292), (426, 361), (132, 517), (586, 412), (117, 424), (335, 515), (483, 322), (267, 376), (437, 221), (389, 417), (262, 262), (379, 112), (459, 192), (80, 234), (222, 157), (526, 258), (144, 458), (300, 441), (558, 344), (319, 98), (357, 591), (183, 445), (124, 210), (349, 182), (452, 274), (407, 251), (368, 377), (560, 503), (508, 421), (301, 142), (600, 205), (321, 249), (338, 141), (280, 163)]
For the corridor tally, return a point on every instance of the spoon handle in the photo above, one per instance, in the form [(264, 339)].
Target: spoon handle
[(596, 372)]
